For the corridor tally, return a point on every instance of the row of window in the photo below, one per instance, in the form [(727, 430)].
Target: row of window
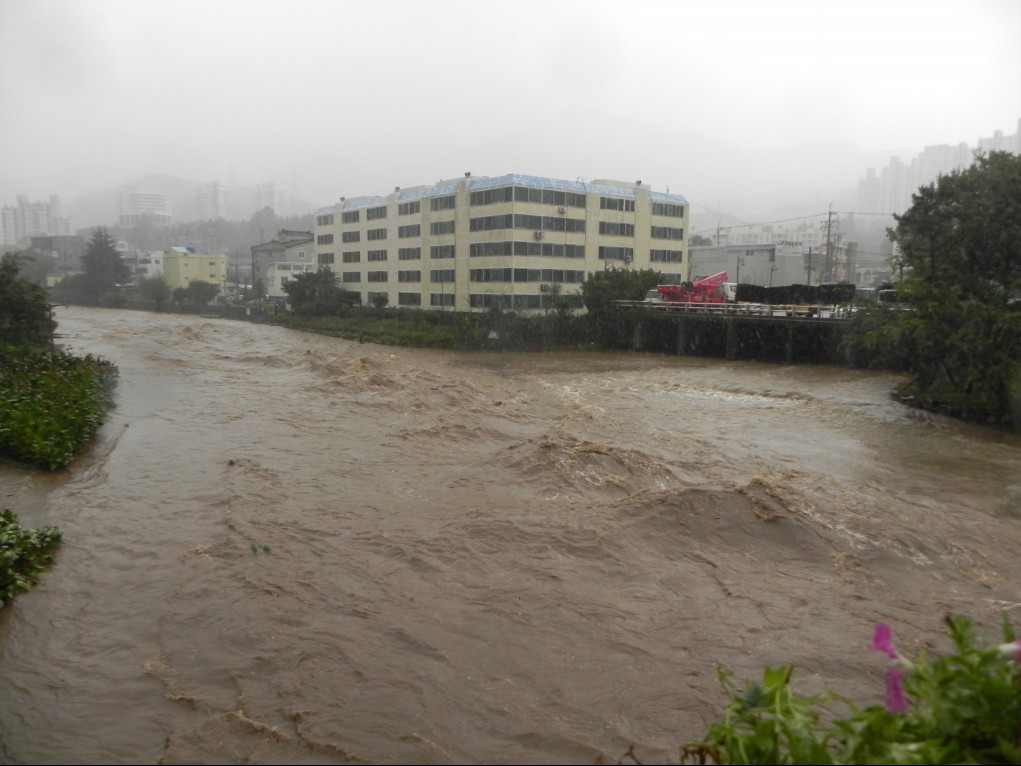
[(509, 221), (517, 247), (526, 194), (442, 276), (521, 221), (507, 248), (564, 276), (506, 194), (485, 300), (403, 254)]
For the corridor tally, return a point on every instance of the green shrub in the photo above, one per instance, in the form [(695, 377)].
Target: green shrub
[(964, 707), (24, 554), (51, 404)]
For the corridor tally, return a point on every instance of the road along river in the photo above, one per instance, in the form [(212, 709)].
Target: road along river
[(288, 548)]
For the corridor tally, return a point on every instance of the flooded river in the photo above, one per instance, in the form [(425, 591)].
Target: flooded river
[(288, 548)]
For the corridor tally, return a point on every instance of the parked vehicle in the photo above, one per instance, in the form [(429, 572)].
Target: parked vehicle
[(714, 289)]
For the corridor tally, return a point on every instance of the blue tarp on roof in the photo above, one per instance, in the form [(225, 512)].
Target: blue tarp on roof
[(511, 179)]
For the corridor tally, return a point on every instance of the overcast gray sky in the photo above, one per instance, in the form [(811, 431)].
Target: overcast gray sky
[(348, 98)]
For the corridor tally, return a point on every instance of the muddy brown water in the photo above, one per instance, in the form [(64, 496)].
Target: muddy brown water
[(288, 548)]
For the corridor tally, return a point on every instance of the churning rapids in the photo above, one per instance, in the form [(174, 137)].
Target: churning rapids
[(288, 548)]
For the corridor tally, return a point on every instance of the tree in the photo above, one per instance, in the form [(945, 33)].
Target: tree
[(200, 293), (25, 317), (103, 271), (317, 293), (959, 257), (599, 292), (156, 290)]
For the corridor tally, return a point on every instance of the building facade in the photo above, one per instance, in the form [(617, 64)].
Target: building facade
[(276, 261), (515, 241), (890, 191), (135, 206), (211, 202), (18, 225), (182, 265)]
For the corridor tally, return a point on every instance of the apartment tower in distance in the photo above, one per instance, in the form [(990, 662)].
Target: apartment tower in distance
[(516, 241)]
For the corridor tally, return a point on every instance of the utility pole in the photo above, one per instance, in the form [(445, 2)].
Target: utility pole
[(828, 272)]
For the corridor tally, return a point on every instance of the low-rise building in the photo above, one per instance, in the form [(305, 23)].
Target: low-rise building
[(294, 249), (181, 265), (516, 241), (279, 274)]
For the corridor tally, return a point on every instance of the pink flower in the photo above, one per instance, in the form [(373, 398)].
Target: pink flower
[(896, 701), (1011, 650), (882, 641)]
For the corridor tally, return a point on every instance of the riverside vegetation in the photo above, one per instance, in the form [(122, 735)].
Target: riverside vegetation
[(51, 405)]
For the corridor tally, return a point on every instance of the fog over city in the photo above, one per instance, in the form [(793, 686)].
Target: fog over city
[(738, 106)]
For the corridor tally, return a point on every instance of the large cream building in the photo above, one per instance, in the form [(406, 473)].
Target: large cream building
[(516, 240)]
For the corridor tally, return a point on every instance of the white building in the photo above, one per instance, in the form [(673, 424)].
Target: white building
[(134, 206), (890, 190), (516, 241), (211, 202), (268, 195), (32, 219)]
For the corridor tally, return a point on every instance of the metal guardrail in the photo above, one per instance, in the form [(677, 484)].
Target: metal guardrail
[(787, 310)]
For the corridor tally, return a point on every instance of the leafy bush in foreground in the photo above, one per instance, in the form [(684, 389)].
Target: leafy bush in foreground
[(964, 707), (24, 554), (51, 404)]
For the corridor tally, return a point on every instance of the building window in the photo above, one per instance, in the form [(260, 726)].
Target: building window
[(612, 229), (351, 236), (351, 256), (409, 208), (375, 213), (441, 227), (324, 239), (441, 299), (351, 276), (409, 254), (442, 203), (441, 251), (350, 216), (411, 230), (376, 255), (325, 259), (668, 210), (626, 254), (324, 220), (491, 196), (616, 203), (376, 276), (409, 276), (376, 234), (441, 276), (665, 256), (667, 232), (409, 299), (548, 197)]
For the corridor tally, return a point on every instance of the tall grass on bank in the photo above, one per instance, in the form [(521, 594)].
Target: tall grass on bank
[(51, 404)]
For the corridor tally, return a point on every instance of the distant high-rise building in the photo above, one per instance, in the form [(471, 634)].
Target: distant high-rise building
[(268, 195), (891, 191), (135, 206), (211, 202), (32, 219)]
